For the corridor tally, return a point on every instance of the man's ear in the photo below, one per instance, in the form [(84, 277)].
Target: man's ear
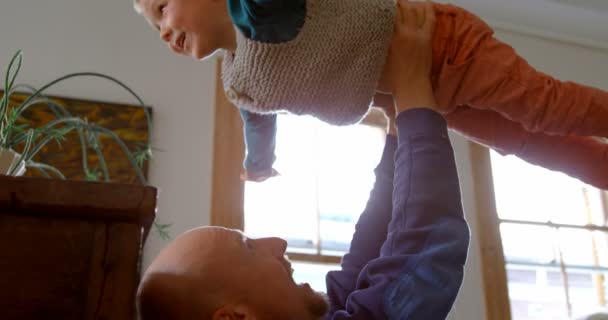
[(231, 312)]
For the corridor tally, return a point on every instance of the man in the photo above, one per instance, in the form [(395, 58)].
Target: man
[(405, 261), (406, 257)]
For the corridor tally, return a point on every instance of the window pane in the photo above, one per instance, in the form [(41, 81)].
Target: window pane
[(539, 293), (597, 216), (326, 176), (534, 296), (312, 273), (530, 193), (601, 242), (524, 243), (527, 192), (587, 292), (581, 247), (267, 207), (345, 180), (284, 206)]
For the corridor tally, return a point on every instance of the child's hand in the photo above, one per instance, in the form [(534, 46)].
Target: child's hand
[(410, 56), (386, 103), (259, 177)]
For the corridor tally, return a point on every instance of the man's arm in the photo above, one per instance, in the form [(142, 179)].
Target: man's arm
[(370, 231), (420, 267)]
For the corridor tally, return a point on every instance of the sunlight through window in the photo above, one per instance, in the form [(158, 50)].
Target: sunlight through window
[(555, 240), (326, 177)]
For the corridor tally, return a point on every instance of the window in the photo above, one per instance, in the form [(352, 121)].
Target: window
[(554, 239), (326, 177)]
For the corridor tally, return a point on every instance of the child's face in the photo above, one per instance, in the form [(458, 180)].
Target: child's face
[(189, 27)]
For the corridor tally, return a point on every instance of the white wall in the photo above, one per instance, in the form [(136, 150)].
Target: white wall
[(62, 36)]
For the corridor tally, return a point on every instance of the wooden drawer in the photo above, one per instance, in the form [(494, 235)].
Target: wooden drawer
[(71, 250)]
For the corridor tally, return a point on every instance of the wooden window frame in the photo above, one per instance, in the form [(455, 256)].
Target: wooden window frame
[(493, 262), (494, 273), (227, 189), (227, 193)]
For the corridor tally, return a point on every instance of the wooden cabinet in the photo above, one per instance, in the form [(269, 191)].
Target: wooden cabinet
[(71, 250)]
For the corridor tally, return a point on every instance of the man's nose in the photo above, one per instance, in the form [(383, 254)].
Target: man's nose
[(277, 246)]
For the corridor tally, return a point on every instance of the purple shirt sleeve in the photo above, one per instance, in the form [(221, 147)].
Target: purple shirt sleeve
[(419, 269), (370, 231)]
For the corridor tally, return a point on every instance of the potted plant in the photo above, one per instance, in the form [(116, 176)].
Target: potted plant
[(10, 162), (69, 249), (16, 135)]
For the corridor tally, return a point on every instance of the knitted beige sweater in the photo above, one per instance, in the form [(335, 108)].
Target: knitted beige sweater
[(330, 70)]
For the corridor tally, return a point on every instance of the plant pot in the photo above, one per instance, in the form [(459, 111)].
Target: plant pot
[(9, 159)]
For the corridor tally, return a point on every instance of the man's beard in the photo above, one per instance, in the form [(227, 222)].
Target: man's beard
[(318, 305)]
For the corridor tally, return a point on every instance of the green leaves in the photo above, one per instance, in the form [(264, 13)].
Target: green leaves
[(44, 168), (8, 85), (92, 175), (162, 230), (14, 133), (141, 155)]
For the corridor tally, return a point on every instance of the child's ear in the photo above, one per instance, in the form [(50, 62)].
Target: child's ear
[(230, 312)]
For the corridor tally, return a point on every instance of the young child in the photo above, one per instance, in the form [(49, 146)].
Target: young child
[(326, 58)]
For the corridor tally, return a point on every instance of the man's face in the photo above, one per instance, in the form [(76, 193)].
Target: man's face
[(254, 273), (262, 271), (189, 27)]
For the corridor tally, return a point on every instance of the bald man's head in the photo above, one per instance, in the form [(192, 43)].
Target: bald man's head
[(172, 296), (218, 273), (183, 282)]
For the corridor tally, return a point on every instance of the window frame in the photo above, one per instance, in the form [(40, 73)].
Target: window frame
[(493, 262), (494, 273), (227, 191)]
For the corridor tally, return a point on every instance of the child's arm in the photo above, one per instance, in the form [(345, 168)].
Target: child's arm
[(269, 21), (260, 141)]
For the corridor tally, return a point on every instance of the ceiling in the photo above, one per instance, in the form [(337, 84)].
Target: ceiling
[(583, 22), (593, 5)]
